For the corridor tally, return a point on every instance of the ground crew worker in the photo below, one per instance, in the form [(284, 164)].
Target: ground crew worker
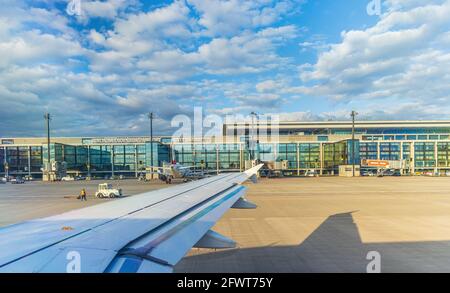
[(83, 195)]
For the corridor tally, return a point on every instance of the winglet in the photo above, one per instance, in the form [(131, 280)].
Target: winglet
[(253, 171)]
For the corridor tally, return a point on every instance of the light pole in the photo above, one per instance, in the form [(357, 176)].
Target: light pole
[(48, 169), (353, 115), (47, 119), (5, 163), (150, 117), (252, 149)]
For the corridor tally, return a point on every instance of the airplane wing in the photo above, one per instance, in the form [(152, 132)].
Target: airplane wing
[(149, 232)]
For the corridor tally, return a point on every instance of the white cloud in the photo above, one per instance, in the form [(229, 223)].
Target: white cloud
[(227, 18), (33, 46), (158, 22), (246, 53), (266, 86), (261, 101), (103, 9), (96, 37), (402, 60), (99, 79)]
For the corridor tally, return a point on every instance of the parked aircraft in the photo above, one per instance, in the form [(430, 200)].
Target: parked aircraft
[(178, 171)]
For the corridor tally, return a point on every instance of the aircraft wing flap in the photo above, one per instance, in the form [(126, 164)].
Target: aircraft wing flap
[(168, 243)]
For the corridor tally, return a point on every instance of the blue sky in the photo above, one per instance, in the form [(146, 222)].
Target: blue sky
[(99, 72)]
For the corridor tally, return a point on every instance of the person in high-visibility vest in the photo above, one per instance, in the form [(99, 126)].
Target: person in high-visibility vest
[(83, 195)]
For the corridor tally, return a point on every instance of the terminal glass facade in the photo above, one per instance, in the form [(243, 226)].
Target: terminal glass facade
[(209, 156), (390, 151), (131, 159), (443, 154), (368, 151), (2, 159), (288, 152), (309, 156), (124, 158), (161, 154), (424, 154), (36, 158), (266, 152), (335, 154), (416, 149), (100, 158)]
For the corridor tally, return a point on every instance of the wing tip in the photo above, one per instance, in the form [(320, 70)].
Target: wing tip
[(253, 171)]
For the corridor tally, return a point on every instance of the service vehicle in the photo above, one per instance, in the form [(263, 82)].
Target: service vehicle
[(311, 173), (106, 190), (17, 180)]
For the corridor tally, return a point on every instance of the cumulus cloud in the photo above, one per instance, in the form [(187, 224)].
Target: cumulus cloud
[(401, 61), (100, 72), (266, 86), (221, 18), (34, 46), (102, 78), (103, 9)]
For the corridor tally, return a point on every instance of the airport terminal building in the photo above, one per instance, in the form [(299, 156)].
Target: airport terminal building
[(417, 146)]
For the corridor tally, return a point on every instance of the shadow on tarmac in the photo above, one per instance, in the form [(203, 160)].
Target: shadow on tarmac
[(335, 246)]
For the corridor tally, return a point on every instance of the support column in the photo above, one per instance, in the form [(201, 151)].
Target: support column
[(321, 158), (172, 152), (241, 155), (89, 161), (29, 161), (77, 171), (378, 150), (112, 160), (194, 156), (217, 159), (275, 151), (135, 160), (63, 153), (5, 163), (298, 159), (413, 158), (334, 160), (401, 158), (436, 165)]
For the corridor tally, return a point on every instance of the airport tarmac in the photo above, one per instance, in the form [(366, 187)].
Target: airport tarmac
[(37, 199), (331, 225), (327, 224)]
